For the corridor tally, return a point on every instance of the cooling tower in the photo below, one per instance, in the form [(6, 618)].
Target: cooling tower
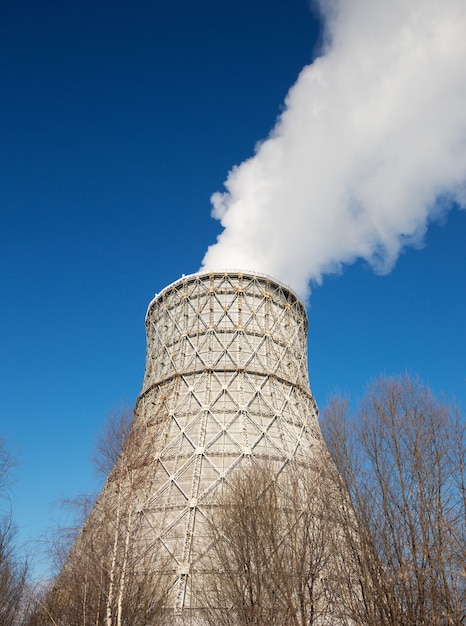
[(225, 381), (225, 388)]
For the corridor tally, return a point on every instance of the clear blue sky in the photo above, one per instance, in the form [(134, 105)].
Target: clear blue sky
[(117, 122)]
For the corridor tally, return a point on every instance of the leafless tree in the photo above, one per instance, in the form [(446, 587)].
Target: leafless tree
[(272, 548), (112, 440), (7, 463), (13, 569), (13, 576), (401, 459), (110, 576)]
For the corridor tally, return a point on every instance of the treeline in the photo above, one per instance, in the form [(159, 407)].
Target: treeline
[(370, 532)]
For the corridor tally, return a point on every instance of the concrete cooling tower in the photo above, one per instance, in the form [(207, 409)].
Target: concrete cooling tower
[(226, 380), (225, 386)]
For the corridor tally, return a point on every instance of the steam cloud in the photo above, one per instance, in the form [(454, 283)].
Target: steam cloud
[(370, 147)]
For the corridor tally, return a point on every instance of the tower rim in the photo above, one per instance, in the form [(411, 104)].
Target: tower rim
[(224, 272)]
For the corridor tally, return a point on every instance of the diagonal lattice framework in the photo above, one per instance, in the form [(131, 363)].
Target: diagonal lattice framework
[(225, 381)]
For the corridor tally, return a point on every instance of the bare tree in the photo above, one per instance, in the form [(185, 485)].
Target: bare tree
[(13, 576), (13, 569), (401, 459), (7, 463), (111, 576), (272, 548), (112, 440)]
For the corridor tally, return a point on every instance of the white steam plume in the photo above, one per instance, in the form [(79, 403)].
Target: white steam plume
[(370, 147)]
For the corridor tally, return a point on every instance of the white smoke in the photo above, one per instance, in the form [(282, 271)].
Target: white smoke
[(370, 147)]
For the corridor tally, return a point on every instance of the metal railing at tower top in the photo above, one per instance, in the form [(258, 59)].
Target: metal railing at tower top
[(201, 275)]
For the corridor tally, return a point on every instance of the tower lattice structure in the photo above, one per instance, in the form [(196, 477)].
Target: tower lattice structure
[(226, 381)]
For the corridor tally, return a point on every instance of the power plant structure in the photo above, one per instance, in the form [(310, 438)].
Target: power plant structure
[(226, 384), (226, 374)]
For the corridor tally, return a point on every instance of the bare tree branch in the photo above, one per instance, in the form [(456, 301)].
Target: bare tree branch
[(401, 457)]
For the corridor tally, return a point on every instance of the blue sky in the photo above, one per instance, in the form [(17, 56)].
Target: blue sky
[(117, 123)]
